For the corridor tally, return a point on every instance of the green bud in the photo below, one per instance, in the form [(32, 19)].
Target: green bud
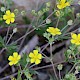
[(60, 66), (47, 9), (48, 4), (44, 10), (40, 13), (34, 12), (78, 15), (23, 13), (70, 22), (3, 9), (16, 11), (48, 21)]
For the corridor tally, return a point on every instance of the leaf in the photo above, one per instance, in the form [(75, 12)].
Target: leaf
[(1, 42), (19, 75), (23, 61)]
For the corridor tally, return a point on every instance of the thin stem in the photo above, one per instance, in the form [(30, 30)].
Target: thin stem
[(52, 62), (7, 77), (10, 38), (57, 22), (54, 70), (64, 28), (72, 68), (59, 74), (51, 51), (7, 33)]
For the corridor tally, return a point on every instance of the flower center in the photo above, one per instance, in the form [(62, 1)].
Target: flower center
[(9, 17)]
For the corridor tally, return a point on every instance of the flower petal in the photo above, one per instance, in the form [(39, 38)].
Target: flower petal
[(73, 41), (63, 1), (15, 54), (59, 6), (39, 56), (4, 17), (19, 57), (12, 20), (8, 12), (79, 36), (73, 35), (10, 58), (12, 15), (32, 60), (11, 63), (8, 21), (35, 52), (37, 61), (67, 4), (31, 55)]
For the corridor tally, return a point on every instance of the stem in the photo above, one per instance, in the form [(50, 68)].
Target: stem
[(72, 68), (59, 75), (57, 22), (54, 70), (10, 38), (51, 51), (7, 34), (52, 62)]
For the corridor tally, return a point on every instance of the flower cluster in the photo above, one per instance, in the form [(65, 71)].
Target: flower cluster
[(54, 31), (9, 17), (14, 59), (75, 39), (35, 57), (62, 4)]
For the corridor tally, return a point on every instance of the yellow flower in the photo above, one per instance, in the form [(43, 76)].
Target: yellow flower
[(75, 39), (14, 59), (9, 17), (35, 57), (54, 31), (62, 4)]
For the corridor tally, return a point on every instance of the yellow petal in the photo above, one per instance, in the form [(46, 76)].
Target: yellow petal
[(77, 43), (12, 20), (8, 21), (35, 52), (15, 54), (12, 15), (67, 4), (32, 60), (79, 36), (31, 55), (15, 62), (58, 33), (63, 1), (19, 57), (37, 61), (10, 58), (73, 41), (11, 63), (4, 17), (59, 6), (39, 56), (8, 12), (57, 29), (73, 35)]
